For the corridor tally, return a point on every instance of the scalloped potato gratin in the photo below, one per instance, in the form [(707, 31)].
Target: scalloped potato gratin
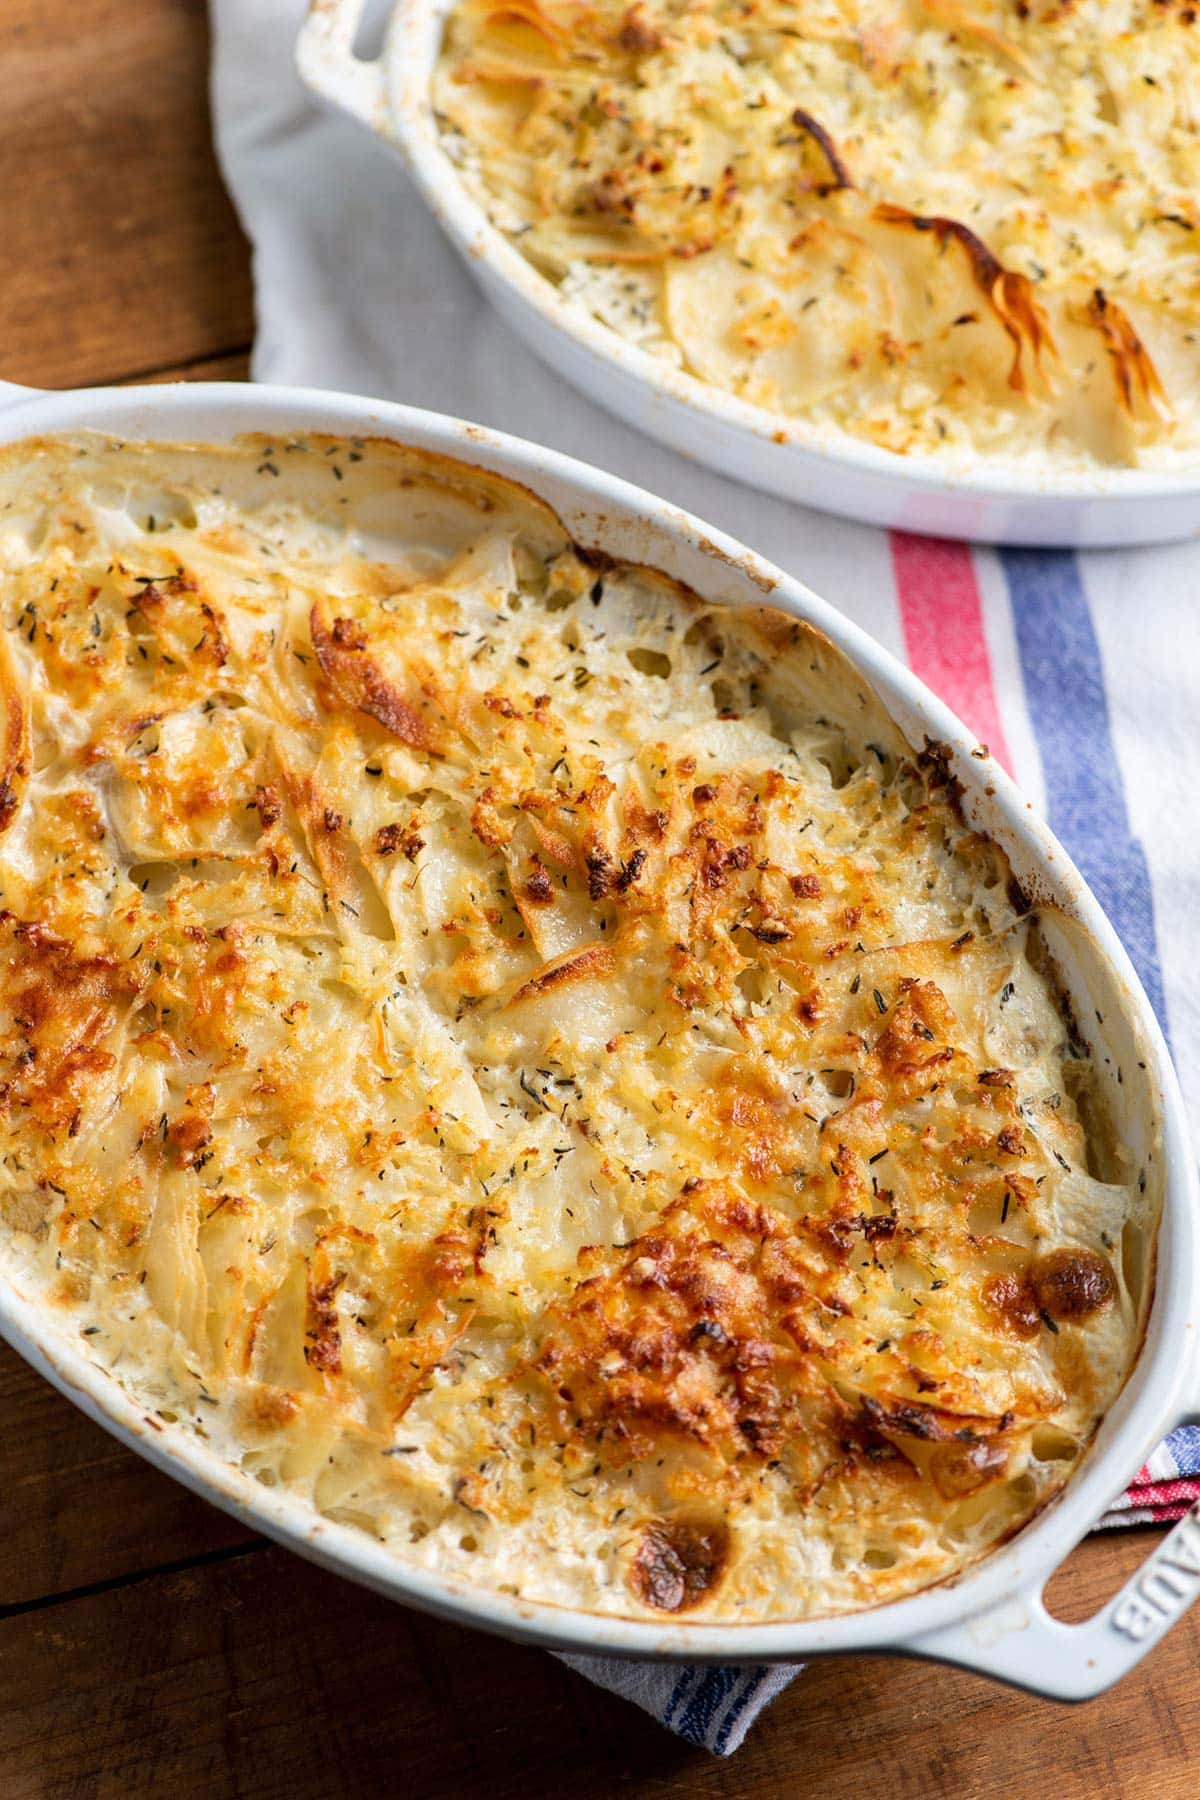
[(528, 1060), (955, 226)]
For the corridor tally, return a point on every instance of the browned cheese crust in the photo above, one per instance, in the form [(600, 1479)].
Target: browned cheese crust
[(531, 1061)]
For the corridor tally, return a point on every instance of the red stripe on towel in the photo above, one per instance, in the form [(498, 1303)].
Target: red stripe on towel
[(941, 612)]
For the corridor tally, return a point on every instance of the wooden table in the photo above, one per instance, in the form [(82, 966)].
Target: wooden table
[(148, 1646)]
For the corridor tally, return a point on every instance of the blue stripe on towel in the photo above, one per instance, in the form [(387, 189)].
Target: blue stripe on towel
[(752, 1681), (697, 1720), (1068, 707), (1184, 1446), (688, 1676)]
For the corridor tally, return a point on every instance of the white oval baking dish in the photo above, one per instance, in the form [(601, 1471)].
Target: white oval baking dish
[(992, 1618), (960, 497)]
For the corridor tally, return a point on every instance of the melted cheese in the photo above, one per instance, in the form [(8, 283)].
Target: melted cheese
[(531, 1061), (938, 226)]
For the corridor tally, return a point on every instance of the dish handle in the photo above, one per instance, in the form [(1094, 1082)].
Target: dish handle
[(1019, 1642), (326, 62)]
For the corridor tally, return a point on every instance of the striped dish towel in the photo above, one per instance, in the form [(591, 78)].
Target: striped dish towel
[(1079, 672)]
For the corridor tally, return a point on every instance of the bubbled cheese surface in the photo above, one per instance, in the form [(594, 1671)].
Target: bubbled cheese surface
[(530, 1061)]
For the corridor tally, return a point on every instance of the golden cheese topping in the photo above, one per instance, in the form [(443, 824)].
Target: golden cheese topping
[(528, 1060), (938, 225)]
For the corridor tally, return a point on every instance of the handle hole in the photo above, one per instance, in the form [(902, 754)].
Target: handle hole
[(372, 29), (1083, 1585)]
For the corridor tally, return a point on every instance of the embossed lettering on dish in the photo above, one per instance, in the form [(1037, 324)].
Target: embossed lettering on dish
[(1168, 1584)]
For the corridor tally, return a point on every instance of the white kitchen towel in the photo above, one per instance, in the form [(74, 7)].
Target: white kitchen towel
[(1081, 672)]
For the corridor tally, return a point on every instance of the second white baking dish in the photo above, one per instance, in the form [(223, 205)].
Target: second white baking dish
[(962, 497)]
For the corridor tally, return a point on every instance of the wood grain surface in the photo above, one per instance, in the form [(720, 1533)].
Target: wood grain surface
[(148, 1645)]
